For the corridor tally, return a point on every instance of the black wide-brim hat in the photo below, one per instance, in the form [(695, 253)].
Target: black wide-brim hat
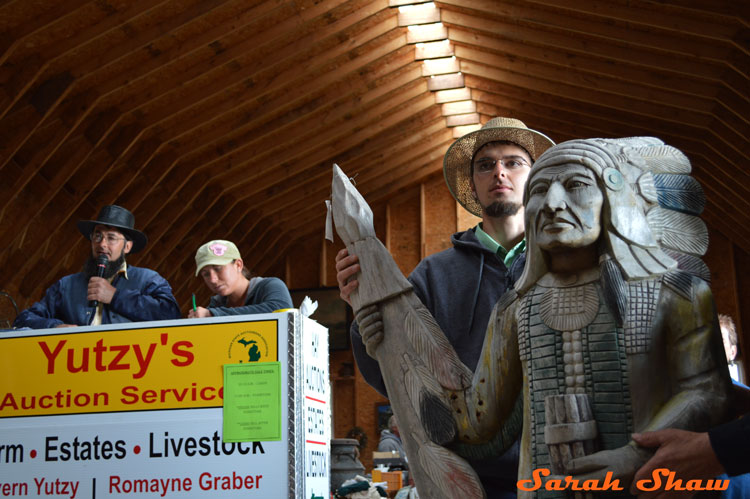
[(119, 218)]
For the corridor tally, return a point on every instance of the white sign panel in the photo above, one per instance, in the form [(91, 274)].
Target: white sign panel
[(317, 407), (136, 410)]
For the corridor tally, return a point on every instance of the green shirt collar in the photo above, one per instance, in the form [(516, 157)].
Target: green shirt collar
[(506, 256)]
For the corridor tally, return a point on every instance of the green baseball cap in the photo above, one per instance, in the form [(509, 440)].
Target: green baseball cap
[(217, 252)]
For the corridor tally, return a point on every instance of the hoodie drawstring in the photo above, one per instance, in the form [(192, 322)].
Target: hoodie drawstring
[(476, 293)]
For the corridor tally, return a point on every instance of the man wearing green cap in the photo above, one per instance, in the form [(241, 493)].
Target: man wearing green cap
[(486, 172), (107, 290)]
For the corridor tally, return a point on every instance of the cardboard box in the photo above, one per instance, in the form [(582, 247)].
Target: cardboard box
[(393, 479)]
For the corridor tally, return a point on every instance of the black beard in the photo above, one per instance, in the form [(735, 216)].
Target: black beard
[(113, 266), (498, 209)]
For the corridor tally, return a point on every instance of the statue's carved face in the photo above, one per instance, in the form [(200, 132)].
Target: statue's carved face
[(565, 205)]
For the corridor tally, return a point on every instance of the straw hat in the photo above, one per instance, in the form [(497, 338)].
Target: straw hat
[(457, 162)]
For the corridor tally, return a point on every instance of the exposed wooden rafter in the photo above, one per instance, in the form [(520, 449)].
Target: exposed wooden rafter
[(221, 118)]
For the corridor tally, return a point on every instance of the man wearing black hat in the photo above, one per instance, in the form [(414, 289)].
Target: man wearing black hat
[(107, 290)]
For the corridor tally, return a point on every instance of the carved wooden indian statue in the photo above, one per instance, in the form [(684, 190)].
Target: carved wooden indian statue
[(610, 330)]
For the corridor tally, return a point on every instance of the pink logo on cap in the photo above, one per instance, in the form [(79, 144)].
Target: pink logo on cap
[(218, 249)]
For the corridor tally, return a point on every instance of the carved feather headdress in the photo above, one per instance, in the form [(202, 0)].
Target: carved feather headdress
[(650, 213)]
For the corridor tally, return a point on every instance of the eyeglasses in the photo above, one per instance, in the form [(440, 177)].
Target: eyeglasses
[(111, 238), (485, 166)]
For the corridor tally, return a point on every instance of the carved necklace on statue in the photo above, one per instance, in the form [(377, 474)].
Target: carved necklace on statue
[(571, 302)]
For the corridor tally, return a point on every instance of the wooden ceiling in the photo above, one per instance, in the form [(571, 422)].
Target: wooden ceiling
[(221, 118)]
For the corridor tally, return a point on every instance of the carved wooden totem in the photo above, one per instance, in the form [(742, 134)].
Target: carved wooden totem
[(419, 359), (610, 330)]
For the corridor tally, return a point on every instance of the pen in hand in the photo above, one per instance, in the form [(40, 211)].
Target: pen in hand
[(194, 307)]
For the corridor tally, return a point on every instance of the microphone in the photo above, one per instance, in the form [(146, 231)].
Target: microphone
[(101, 266)]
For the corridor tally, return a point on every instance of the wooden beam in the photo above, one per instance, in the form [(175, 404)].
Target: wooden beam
[(426, 33), (668, 18), (410, 15), (459, 107), (22, 19), (397, 3), (699, 43), (462, 119), (461, 130), (474, 61), (445, 82), (433, 50), (484, 31), (456, 94), (444, 65)]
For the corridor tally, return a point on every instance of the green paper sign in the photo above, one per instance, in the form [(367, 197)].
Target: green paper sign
[(252, 402)]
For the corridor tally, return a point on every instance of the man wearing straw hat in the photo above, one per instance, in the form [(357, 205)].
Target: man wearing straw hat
[(486, 172), (107, 290)]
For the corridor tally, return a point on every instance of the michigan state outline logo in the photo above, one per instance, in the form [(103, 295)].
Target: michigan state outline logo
[(248, 346)]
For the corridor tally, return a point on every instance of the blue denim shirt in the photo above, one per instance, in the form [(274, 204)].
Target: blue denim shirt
[(143, 295)]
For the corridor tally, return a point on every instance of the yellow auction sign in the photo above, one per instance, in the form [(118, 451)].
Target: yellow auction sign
[(156, 368)]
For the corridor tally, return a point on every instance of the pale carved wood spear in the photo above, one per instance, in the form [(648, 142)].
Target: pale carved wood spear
[(417, 362)]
